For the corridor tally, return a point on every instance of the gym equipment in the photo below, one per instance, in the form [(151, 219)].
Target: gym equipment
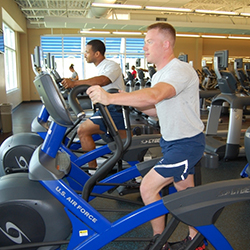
[(210, 80), (52, 67), (130, 82), (206, 96), (242, 78), (140, 83), (247, 70), (151, 72), (227, 83), (24, 194), (207, 89), (246, 170), (16, 150)]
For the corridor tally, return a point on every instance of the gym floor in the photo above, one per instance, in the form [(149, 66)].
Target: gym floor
[(233, 221)]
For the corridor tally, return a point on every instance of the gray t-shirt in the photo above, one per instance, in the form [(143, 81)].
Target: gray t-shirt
[(74, 75), (179, 117)]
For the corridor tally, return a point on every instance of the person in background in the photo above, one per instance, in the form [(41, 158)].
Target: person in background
[(174, 98), (74, 76), (134, 73), (108, 75)]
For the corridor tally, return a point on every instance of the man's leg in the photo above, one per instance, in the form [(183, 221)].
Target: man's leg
[(182, 185), (151, 185), (85, 132), (122, 133)]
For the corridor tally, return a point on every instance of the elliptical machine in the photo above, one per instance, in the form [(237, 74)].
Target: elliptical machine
[(227, 83), (16, 150)]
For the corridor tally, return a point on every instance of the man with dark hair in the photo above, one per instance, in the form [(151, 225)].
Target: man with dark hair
[(97, 45), (108, 75), (174, 98)]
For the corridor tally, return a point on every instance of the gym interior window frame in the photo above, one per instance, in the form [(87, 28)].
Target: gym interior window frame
[(10, 58), (68, 49)]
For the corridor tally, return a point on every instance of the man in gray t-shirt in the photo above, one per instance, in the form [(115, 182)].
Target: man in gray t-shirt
[(174, 98)]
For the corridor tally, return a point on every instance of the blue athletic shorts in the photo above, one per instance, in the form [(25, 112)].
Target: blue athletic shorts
[(180, 157), (116, 114)]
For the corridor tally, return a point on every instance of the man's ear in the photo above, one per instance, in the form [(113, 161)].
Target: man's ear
[(97, 53), (166, 44)]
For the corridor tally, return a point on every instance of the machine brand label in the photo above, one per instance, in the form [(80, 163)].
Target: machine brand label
[(234, 191), (21, 162), (150, 141), (75, 204), (19, 238)]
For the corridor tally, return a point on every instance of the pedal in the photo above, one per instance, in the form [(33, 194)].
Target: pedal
[(128, 188)]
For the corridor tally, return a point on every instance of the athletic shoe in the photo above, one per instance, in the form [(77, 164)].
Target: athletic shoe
[(152, 242), (91, 171), (182, 245)]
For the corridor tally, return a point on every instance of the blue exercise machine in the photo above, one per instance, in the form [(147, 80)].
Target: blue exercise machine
[(39, 209)]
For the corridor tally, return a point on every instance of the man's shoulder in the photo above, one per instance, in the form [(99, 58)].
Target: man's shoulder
[(108, 61)]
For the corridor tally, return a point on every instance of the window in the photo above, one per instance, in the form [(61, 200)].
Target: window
[(68, 50), (10, 58), (133, 51)]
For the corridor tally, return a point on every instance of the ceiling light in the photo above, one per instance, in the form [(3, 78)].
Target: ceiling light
[(117, 6), (245, 14), (239, 37), (126, 33), (119, 17), (212, 36), (95, 32), (167, 9), (217, 12), (187, 35)]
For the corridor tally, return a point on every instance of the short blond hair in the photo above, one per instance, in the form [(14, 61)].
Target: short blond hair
[(166, 29)]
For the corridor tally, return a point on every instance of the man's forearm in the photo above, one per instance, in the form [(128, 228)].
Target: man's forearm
[(96, 80), (142, 99)]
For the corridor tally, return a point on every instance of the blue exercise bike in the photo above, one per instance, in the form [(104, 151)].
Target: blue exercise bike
[(39, 210)]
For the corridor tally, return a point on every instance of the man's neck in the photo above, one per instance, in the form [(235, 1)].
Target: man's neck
[(99, 61), (165, 62)]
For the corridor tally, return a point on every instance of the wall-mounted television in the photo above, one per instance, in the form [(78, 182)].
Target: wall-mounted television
[(239, 63), (127, 66), (247, 66), (38, 57), (138, 62), (1, 41), (183, 57), (222, 57)]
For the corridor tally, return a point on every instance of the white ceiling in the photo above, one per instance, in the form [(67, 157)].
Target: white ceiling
[(80, 14)]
